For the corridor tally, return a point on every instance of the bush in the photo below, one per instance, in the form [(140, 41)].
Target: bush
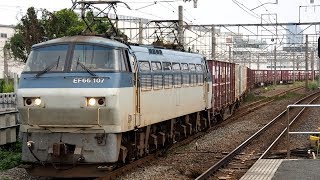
[(288, 95), (1, 85), (8, 87), (9, 160), (312, 86), (10, 156)]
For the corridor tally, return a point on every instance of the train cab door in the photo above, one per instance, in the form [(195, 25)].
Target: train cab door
[(136, 89)]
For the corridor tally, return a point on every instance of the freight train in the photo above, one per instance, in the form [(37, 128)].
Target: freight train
[(95, 102)]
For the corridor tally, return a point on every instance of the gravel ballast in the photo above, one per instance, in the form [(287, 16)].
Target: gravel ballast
[(188, 161)]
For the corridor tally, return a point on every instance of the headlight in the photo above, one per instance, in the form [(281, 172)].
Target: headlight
[(95, 101), (37, 101), (32, 101), (92, 102)]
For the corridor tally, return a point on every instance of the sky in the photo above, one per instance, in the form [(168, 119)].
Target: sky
[(207, 12)]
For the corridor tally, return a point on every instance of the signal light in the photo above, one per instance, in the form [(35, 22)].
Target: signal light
[(28, 101), (101, 101)]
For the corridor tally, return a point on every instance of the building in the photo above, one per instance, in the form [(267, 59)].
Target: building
[(6, 32), (294, 36)]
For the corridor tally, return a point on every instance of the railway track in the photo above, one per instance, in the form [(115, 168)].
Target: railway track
[(244, 110), (253, 106), (270, 99), (255, 147)]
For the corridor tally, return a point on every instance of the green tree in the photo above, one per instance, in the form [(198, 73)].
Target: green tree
[(61, 23), (28, 32), (17, 47), (65, 22), (31, 29)]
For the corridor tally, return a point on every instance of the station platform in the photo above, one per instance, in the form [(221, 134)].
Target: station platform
[(280, 169)]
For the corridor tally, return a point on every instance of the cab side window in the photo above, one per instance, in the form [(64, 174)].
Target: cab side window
[(176, 67), (156, 66), (185, 67), (144, 66), (166, 66)]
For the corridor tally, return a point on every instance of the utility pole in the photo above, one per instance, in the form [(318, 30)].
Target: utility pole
[(258, 62), (5, 65), (180, 27), (250, 60), (15, 84), (293, 63), (318, 64), (306, 59), (213, 43), (318, 71), (140, 31), (275, 55), (230, 54), (275, 65), (312, 65)]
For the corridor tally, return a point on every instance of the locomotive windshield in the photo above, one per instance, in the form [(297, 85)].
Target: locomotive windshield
[(84, 57), (49, 56), (97, 58)]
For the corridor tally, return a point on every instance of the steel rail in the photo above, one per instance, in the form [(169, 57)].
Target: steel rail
[(276, 141), (113, 174), (255, 105), (278, 94), (238, 149)]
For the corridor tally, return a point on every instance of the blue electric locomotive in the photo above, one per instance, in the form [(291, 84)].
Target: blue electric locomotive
[(94, 102)]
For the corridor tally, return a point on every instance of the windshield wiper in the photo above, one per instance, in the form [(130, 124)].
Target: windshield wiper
[(85, 68), (48, 68)]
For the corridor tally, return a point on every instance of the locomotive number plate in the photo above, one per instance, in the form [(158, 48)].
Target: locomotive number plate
[(87, 80)]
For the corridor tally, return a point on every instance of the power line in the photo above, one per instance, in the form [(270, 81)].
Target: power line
[(142, 12), (175, 10), (261, 16), (250, 13), (190, 15)]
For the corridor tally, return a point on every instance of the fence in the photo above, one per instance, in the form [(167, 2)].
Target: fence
[(8, 118), (7, 98), (8, 127)]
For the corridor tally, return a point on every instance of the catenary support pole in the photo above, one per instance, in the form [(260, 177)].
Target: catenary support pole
[(306, 62)]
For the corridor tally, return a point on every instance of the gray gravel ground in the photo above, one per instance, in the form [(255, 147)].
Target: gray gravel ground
[(15, 173), (188, 161), (309, 122)]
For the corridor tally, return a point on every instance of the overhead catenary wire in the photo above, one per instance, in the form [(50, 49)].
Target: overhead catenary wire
[(263, 18), (176, 11)]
